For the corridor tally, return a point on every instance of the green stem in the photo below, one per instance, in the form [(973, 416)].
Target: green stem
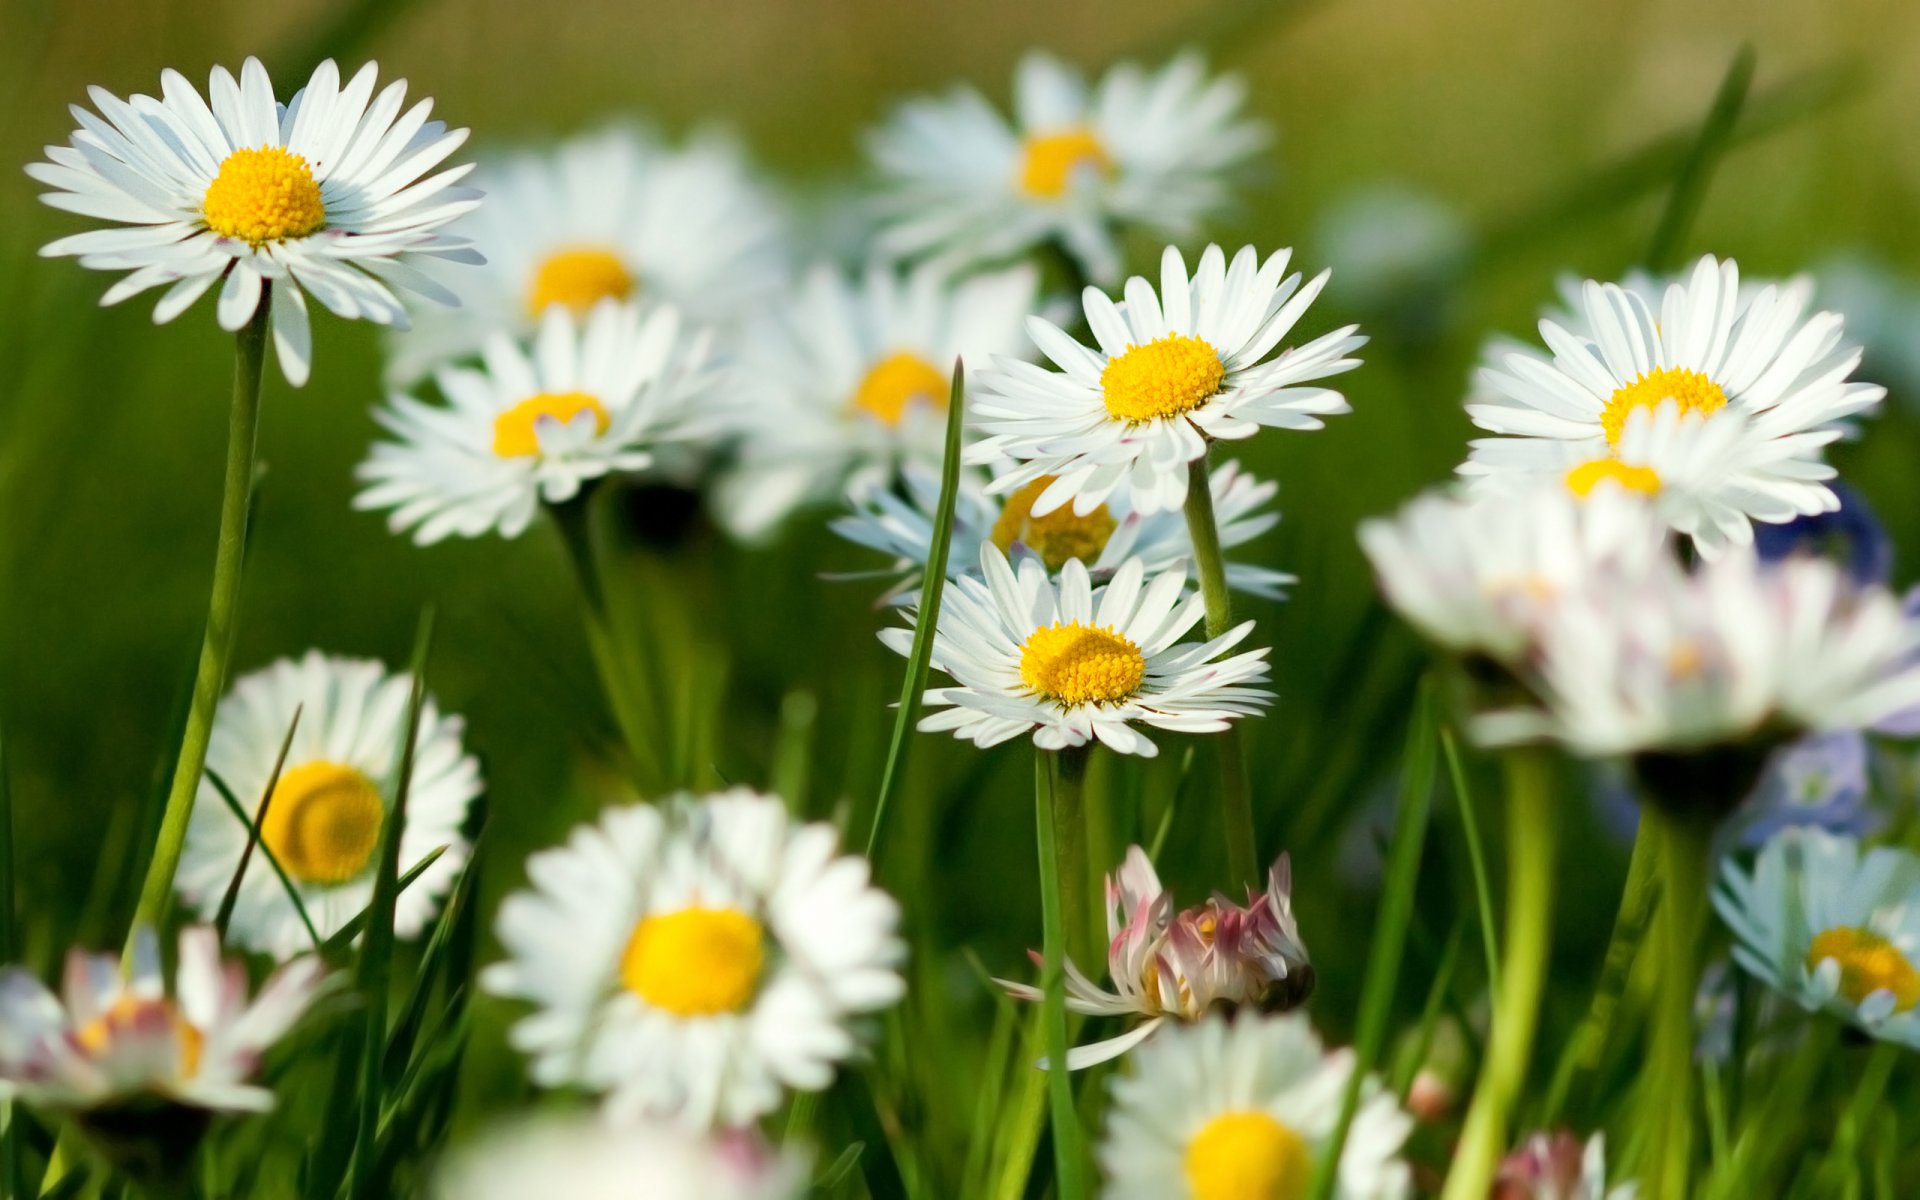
[(1069, 1183), (1532, 832), (1070, 849), (1681, 841), (1236, 797)]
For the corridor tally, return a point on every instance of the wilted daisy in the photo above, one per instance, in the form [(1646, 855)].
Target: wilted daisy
[(1226, 1109), (1558, 1167), (1171, 373), (850, 379), (323, 195), (587, 1159), (697, 959), (1185, 965), (592, 396), (616, 214), (1831, 926), (324, 817), (1150, 150), (1069, 663)]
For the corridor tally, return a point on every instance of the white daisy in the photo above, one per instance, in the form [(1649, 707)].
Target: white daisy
[(592, 396), (585, 1159), (1069, 663), (324, 818), (1222, 1110), (1831, 926), (850, 379), (111, 1037), (614, 214), (697, 959), (1147, 150), (1172, 373), (321, 195), (1709, 346)]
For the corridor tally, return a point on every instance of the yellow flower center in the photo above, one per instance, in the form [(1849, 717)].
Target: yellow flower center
[(1056, 537), (1049, 161), (896, 382), (1081, 664), (698, 962), (323, 822), (1589, 475), (1694, 392), (1248, 1156), (264, 195), (579, 278), (1164, 378), (127, 1015), (516, 432), (1868, 963)]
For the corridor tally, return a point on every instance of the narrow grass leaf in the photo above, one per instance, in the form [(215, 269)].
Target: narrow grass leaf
[(1476, 859), (1696, 169), (337, 947), (239, 810), (401, 1041), (225, 915)]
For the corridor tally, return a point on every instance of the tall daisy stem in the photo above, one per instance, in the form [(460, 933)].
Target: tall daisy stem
[(1681, 840), (1236, 797), (1069, 1181), (1070, 848)]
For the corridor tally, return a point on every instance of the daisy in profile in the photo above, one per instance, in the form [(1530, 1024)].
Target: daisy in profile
[(592, 396), (1832, 926), (1225, 1109), (1713, 350), (1068, 663), (328, 194), (584, 1159), (1170, 373), (324, 817), (616, 214), (850, 378), (1152, 150), (697, 959)]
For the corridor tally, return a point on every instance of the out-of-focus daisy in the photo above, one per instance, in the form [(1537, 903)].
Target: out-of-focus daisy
[(592, 396), (1149, 150), (899, 522), (1171, 373), (1225, 1109), (1069, 663), (112, 1039), (850, 379), (696, 959), (1832, 927), (324, 819), (611, 215), (1713, 350), (1558, 1167), (1821, 780), (1185, 965), (322, 195), (586, 1159)]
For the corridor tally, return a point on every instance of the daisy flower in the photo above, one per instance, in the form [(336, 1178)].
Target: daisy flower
[(109, 1038), (1147, 150), (324, 818), (1068, 663), (850, 379), (1225, 1109), (1171, 373), (1558, 1167), (1832, 926), (1713, 349), (323, 195), (585, 1159), (696, 959), (615, 214), (1185, 965), (592, 396)]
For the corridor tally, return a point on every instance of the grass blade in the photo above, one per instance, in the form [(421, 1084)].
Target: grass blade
[(400, 1043), (225, 915), (1477, 858), (253, 837), (13, 1180), (1690, 181), (336, 947)]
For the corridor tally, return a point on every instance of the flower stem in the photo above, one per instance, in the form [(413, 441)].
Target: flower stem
[(1070, 849), (1681, 840), (1069, 1183), (1532, 831), (1236, 798)]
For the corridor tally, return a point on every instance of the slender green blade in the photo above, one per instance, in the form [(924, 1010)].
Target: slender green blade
[(1476, 859), (225, 916), (401, 1042), (1696, 170), (239, 810), (337, 946)]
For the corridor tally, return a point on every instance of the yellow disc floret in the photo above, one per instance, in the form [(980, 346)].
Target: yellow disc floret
[(323, 822), (264, 195), (896, 383), (697, 962), (1164, 378), (579, 278), (1057, 536), (1869, 963), (133, 1016), (1248, 1156), (1589, 475), (516, 432), (1049, 161), (1077, 664), (1693, 392)]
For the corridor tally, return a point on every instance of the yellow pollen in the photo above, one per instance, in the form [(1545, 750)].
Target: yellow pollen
[(1695, 393), (1056, 537), (1868, 963), (1079, 664), (323, 822), (1248, 1156), (516, 432), (1164, 378), (97, 1036), (264, 195), (1049, 161), (897, 382), (579, 278), (698, 962), (1589, 475)]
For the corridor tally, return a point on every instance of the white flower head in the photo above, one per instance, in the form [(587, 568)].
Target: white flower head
[(1169, 374), (587, 1159), (323, 195)]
